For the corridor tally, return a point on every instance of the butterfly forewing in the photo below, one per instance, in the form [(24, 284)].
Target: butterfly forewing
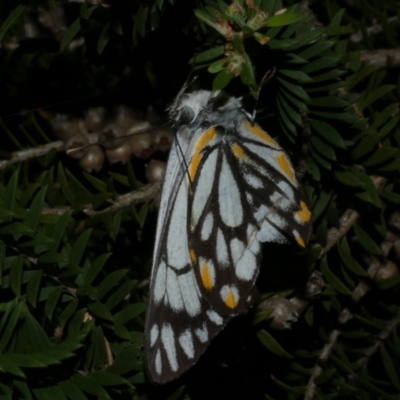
[(228, 188)]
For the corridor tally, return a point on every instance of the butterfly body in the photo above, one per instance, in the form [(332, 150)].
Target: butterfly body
[(228, 188)]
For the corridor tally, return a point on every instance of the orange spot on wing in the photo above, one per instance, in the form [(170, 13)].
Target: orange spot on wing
[(231, 301), (193, 256), (304, 214), (256, 130), (286, 168), (238, 151), (300, 241), (201, 143), (206, 276)]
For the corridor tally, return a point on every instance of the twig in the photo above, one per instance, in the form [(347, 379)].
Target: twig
[(22, 155), (324, 355), (381, 58), (137, 196), (347, 220), (370, 351), (371, 30)]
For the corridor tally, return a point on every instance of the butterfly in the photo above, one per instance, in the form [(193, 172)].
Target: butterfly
[(228, 188)]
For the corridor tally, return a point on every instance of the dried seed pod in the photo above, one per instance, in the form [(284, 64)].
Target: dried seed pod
[(119, 154), (95, 119), (93, 159), (299, 304), (396, 248), (388, 270), (314, 285), (284, 314), (127, 117), (163, 138), (394, 220), (65, 126), (155, 171), (109, 136), (142, 144), (76, 142)]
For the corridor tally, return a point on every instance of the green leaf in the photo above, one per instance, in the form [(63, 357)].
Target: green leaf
[(323, 148), (375, 95), (11, 19), (365, 145), (348, 178), (59, 229), (108, 379), (320, 63), (208, 55), (52, 301), (95, 268), (32, 288), (297, 75), (286, 18), (120, 294), (348, 259), (271, 344), (70, 34), (216, 66), (104, 38), (294, 89), (90, 386), (36, 209), (328, 132), (361, 75), (333, 280), (366, 241), (49, 393), (15, 228), (11, 190), (123, 362), (385, 115), (100, 310), (68, 311), (8, 366), (381, 155), (72, 391), (79, 248), (15, 276), (222, 79), (129, 312), (110, 281), (316, 49)]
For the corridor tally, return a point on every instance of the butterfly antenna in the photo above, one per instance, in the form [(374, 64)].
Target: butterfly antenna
[(70, 151), (268, 76), (185, 164)]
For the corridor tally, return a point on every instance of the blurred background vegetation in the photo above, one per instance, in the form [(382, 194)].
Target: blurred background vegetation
[(77, 232)]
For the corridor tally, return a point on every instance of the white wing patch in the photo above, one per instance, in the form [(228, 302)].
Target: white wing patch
[(190, 293), (168, 339), (186, 341), (222, 249), (160, 282), (207, 227), (203, 188), (174, 291), (229, 199), (177, 241)]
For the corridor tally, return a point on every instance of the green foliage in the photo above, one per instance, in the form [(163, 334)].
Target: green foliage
[(74, 270)]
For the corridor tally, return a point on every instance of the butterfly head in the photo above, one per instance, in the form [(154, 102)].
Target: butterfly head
[(201, 106)]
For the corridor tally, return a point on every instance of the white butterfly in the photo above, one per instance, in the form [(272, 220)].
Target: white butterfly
[(228, 187)]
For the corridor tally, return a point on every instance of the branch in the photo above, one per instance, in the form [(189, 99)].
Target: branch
[(123, 201), (371, 30), (22, 155), (347, 220), (381, 58), (370, 351)]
